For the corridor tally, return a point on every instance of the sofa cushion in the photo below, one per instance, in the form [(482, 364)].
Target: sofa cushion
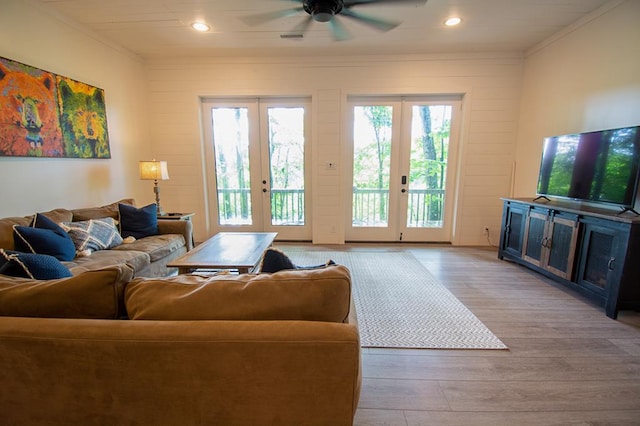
[(44, 237), (29, 265), (307, 295), (93, 295), (6, 230), (138, 223), (137, 260), (156, 246), (109, 210), (93, 234), (58, 215)]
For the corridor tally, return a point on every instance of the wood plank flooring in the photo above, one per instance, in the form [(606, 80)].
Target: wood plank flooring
[(567, 363)]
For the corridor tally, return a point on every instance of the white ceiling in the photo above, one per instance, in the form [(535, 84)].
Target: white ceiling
[(160, 28)]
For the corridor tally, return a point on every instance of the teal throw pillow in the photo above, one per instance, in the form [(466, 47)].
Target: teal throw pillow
[(44, 237), (138, 222), (29, 265)]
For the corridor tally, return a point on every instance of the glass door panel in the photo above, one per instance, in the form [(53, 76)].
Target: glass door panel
[(233, 174), (430, 129), (286, 166), (371, 165)]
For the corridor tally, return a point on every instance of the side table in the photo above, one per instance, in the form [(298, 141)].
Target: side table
[(177, 216)]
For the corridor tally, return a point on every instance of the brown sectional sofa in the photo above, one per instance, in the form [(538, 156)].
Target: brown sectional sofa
[(269, 349), (147, 256)]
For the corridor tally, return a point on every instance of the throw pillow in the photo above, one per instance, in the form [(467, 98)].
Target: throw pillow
[(44, 237), (138, 222), (93, 234), (274, 260), (29, 265)]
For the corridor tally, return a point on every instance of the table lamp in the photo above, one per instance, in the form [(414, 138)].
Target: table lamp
[(155, 170)]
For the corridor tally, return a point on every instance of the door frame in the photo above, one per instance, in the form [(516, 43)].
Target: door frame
[(259, 165), (400, 159)]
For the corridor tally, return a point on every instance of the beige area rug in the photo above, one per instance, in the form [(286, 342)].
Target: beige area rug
[(401, 305)]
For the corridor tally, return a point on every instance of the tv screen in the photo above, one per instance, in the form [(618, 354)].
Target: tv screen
[(600, 166)]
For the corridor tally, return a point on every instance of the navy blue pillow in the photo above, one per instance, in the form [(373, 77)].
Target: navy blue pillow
[(138, 223), (29, 265), (274, 260), (44, 236)]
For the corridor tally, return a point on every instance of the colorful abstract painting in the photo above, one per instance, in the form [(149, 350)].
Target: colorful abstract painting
[(46, 115)]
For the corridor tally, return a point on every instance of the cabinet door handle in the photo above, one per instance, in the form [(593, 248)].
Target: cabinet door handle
[(610, 264), (544, 242)]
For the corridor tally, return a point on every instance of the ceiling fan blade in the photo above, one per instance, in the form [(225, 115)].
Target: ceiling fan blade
[(338, 30), (302, 27), (351, 3), (261, 18), (376, 23)]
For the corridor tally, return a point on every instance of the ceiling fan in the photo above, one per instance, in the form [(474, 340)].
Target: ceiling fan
[(328, 11)]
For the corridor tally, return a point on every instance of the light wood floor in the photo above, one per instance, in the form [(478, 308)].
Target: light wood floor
[(567, 363)]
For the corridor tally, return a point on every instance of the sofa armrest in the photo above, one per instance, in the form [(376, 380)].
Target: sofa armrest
[(183, 227)]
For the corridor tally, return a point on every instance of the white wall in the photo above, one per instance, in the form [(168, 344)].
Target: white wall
[(587, 78), (490, 84), (30, 35)]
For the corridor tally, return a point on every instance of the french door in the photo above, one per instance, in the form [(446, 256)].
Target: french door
[(257, 165), (403, 153)]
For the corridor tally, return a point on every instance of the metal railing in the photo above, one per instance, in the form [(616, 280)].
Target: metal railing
[(287, 206), (425, 207), (370, 207)]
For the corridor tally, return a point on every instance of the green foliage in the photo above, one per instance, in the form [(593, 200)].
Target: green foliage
[(373, 158)]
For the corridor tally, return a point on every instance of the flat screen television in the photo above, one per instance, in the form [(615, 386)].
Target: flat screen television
[(598, 167)]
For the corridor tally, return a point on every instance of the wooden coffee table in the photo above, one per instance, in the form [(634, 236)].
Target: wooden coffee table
[(241, 251)]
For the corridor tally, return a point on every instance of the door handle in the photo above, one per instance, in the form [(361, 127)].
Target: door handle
[(404, 190), (264, 189)]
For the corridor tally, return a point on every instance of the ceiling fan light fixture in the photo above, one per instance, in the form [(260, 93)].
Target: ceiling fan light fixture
[(323, 16), (322, 10)]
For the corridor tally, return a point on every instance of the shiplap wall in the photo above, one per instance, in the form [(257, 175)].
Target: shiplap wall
[(490, 85)]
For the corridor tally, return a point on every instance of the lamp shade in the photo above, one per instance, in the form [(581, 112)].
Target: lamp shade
[(154, 170)]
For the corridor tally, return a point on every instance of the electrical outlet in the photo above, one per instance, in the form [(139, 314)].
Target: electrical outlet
[(486, 230)]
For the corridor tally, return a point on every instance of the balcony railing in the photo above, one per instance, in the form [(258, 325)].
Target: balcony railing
[(287, 207), (370, 207)]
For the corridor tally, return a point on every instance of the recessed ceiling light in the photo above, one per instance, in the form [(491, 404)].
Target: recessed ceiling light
[(200, 26), (453, 21)]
